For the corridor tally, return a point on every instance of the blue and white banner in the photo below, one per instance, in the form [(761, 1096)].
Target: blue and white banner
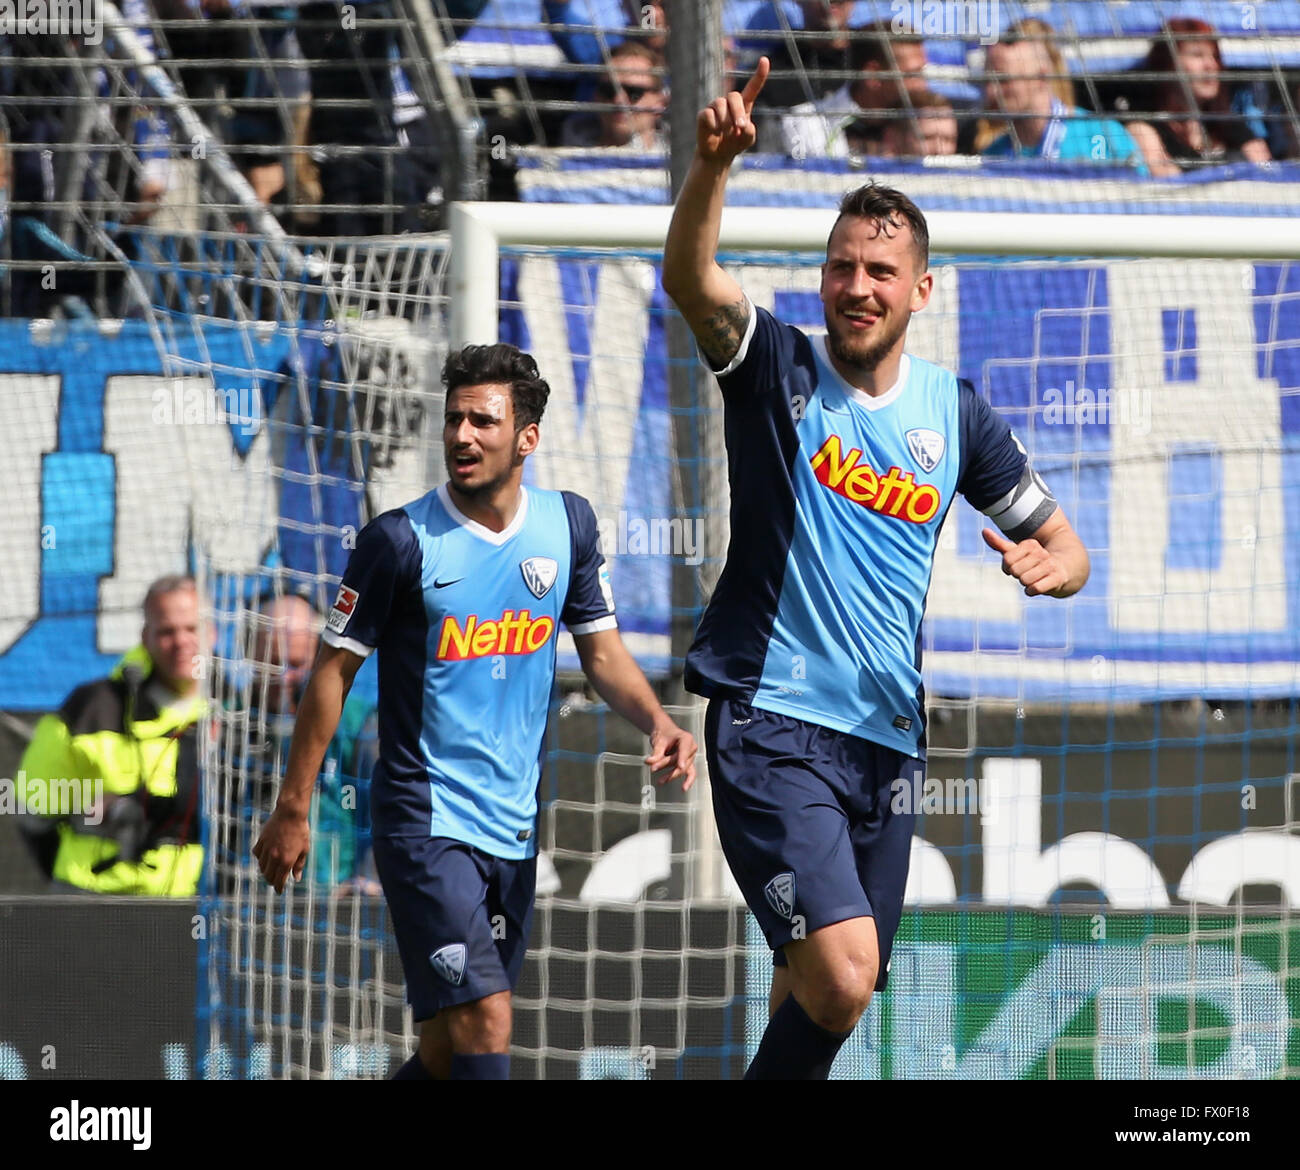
[(1159, 399)]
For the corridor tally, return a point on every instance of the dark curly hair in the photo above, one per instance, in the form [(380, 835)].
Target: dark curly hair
[(505, 365), (888, 208)]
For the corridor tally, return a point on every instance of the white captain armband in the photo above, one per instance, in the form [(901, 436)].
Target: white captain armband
[(1025, 508)]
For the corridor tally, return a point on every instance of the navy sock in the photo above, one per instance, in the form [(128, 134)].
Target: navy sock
[(485, 1066), (794, 1048), (412, 1070)]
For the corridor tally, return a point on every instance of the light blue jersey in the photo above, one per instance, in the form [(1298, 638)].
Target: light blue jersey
[(837, 502), (465, 621)]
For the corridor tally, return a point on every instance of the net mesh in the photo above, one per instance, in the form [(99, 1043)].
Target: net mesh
[(1116, 766), (1118, 898)]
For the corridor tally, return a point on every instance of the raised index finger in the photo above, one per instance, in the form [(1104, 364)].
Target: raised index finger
[(755, 84)]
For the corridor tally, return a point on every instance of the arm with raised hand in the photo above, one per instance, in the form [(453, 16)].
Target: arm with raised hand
[(712, 303)]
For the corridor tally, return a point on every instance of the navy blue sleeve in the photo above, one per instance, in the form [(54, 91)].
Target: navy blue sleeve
[(764, 359), (383, 567), (589, 603), (994, 473)]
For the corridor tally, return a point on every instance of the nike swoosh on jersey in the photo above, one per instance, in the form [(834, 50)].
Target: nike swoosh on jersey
[(444, 584)]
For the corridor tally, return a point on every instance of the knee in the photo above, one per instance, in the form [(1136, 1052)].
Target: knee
[(837, 1000)]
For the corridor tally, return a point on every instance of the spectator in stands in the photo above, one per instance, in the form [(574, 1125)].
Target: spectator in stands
[(988, 129), (242, 57), (852, 120), (587, 31), (134, 734), (633, 104), (260, 132), (283, 648), (39, 231), (929, 130), (807, 44), (1284, 119), (1019, 69), (372, 181), (1199, 127)]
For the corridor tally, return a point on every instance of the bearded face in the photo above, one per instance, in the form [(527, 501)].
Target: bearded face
[(870, 288)]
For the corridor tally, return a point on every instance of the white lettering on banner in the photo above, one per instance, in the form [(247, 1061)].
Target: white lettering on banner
[(29, 421), (1018, 870), (174, 483), (188, 480), (1228, 409), (589, 452), (929, 877), (1262, 857)]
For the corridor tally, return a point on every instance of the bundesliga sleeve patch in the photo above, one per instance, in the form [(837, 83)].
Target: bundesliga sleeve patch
[(341, 614)]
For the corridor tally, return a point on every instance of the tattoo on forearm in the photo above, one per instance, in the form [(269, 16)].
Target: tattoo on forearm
[(720, 335)]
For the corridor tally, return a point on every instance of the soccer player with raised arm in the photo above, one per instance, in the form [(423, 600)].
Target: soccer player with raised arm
[(845, 453), (461, 593)]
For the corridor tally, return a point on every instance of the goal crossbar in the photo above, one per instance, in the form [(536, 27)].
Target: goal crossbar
[(480, 230)]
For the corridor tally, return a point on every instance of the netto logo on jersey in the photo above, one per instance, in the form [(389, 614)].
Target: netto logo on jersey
[(511, 633), (896, 494)]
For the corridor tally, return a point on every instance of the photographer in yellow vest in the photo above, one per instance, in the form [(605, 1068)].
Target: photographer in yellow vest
[(109, 785)]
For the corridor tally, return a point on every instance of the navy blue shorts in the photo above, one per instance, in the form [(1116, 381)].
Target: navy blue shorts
[(461, 917), (807, 824)]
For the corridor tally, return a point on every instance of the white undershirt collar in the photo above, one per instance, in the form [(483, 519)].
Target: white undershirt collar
[(861, 397), (481, 530)]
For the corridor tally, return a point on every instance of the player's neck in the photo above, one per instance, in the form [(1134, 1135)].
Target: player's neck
[(876, 381), (494, 511)]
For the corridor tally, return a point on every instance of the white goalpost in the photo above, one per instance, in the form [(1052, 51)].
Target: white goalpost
[(480, 230)]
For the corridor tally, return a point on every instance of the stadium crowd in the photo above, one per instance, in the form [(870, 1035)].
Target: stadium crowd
[(326, 115)]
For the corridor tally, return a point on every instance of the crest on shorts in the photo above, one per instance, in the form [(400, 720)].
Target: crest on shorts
[(539, 575), (780, 894), (449, 963), (926, 447)]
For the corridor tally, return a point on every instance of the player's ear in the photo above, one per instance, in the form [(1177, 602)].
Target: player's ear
[(527, 439), (921, 292)]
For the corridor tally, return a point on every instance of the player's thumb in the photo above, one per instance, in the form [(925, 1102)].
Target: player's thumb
[(997, 542)]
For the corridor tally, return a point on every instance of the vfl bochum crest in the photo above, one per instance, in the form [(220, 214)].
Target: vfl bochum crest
[(780, 894), (926, 447), (449, 963), (539, 575)]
